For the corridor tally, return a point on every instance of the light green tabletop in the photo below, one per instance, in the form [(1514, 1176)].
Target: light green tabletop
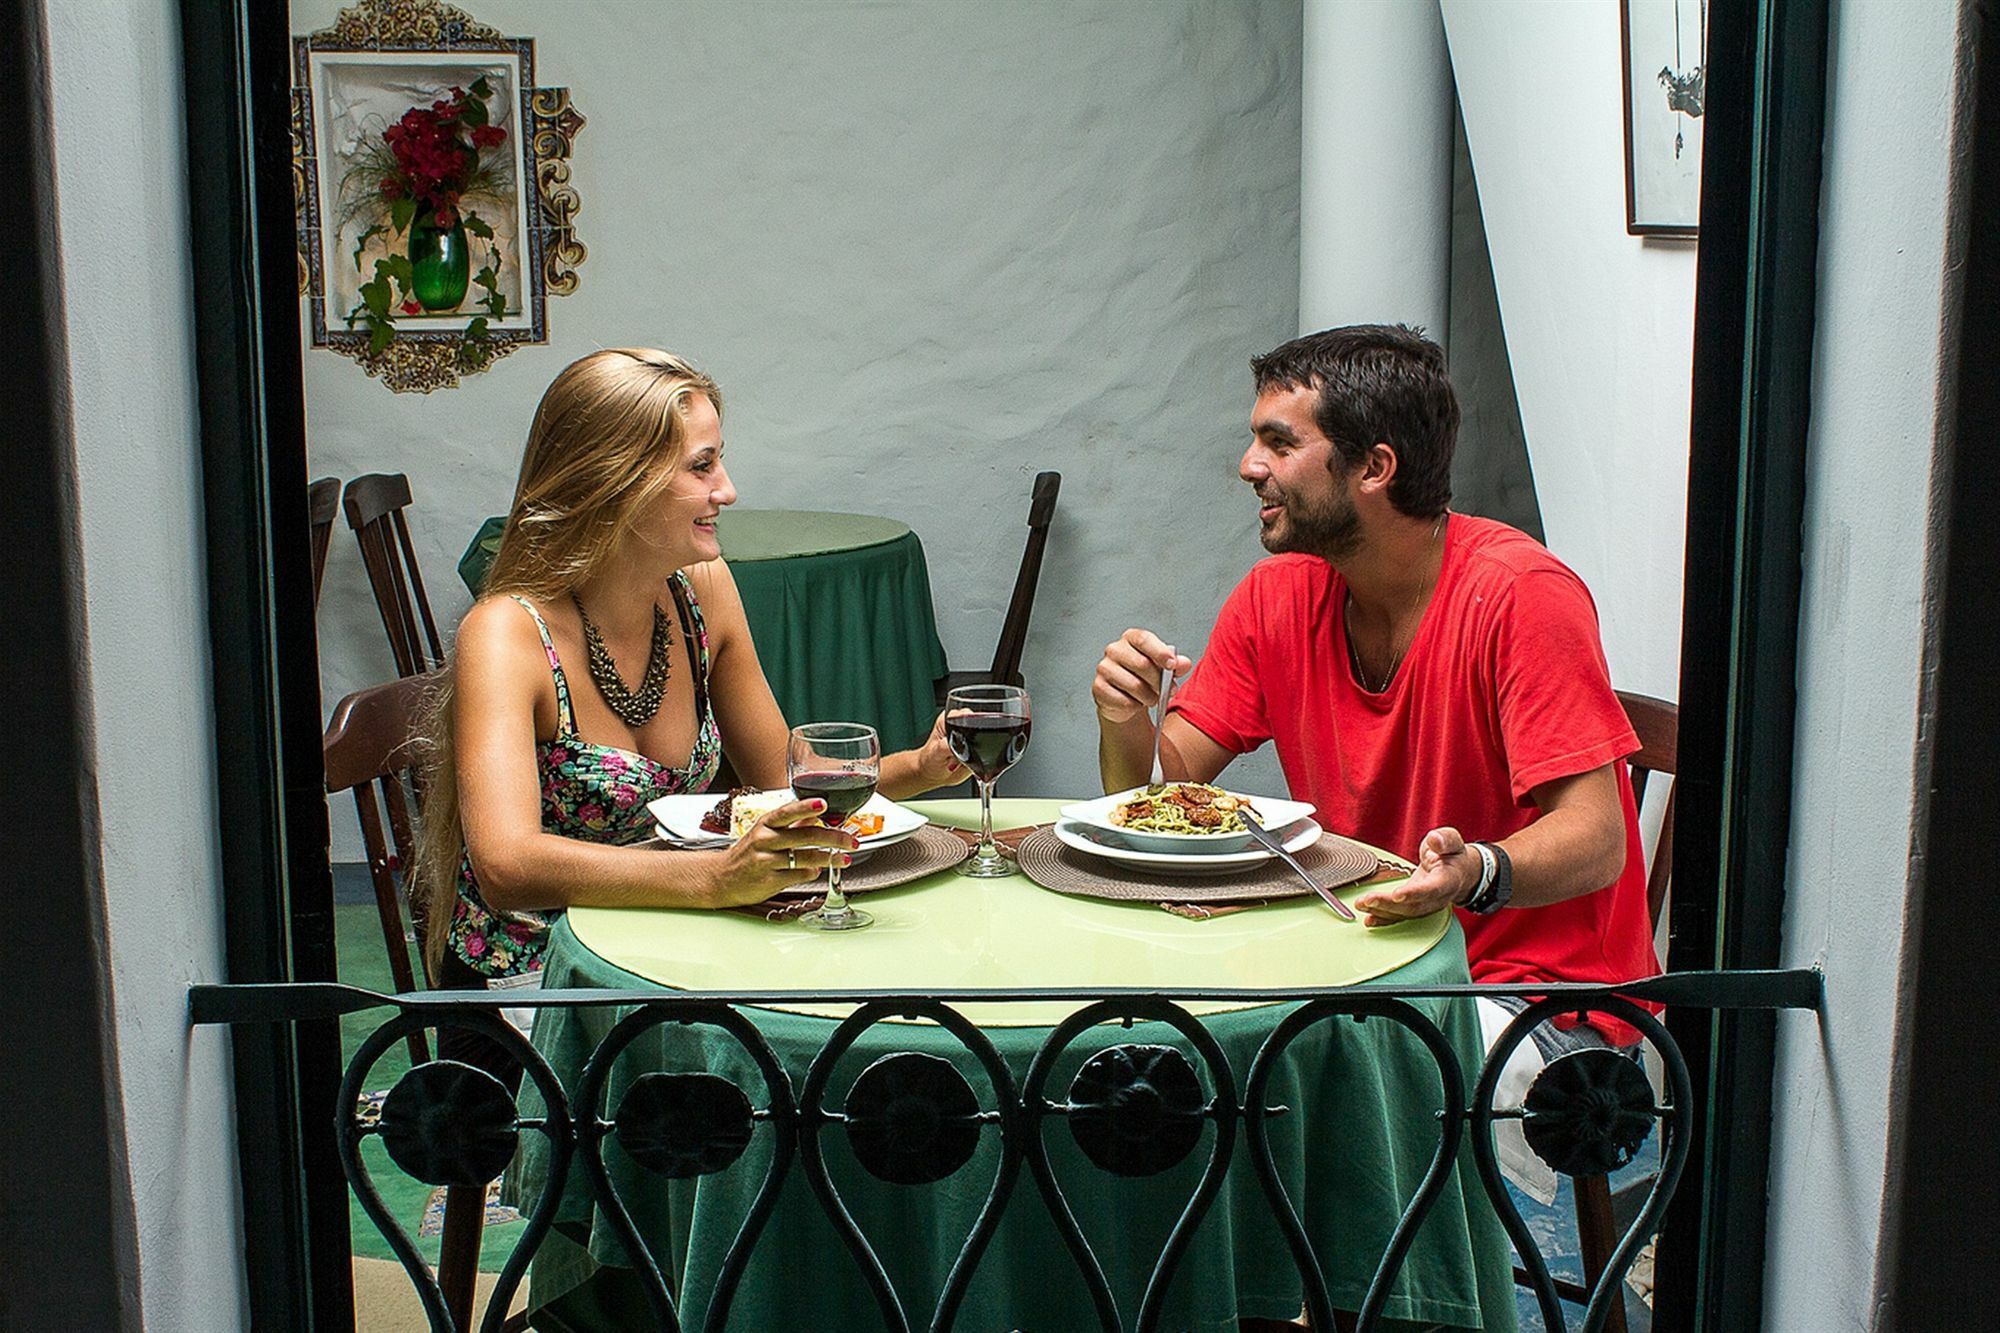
[(945, 931)]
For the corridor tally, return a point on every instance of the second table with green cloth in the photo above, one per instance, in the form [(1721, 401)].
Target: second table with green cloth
[(839, 606), (1351, 1149)]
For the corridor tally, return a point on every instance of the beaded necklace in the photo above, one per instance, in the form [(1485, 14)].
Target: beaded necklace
[(636, 707)]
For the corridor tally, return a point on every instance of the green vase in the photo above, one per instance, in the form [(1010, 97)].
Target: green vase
[(440, 263)]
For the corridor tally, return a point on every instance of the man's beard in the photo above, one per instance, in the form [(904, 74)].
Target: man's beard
[(1331, 531)]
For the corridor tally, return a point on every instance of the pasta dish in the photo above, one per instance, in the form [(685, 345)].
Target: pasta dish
[(1192, 808)]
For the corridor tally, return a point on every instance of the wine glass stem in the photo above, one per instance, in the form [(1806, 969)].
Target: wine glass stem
[(836, 903), (986, 848)]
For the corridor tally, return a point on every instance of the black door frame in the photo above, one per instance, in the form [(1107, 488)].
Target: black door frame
[(1753, 341), (277, 880), (1754, 301)]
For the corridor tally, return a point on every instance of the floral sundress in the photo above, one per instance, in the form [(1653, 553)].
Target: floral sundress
[(596, 793)]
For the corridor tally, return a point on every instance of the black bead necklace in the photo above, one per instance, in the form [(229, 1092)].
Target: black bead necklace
[(636, 707)]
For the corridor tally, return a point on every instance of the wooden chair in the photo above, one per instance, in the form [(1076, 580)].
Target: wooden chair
[(1006, 668), (375, 505), (1601, 1215), (322, 503), (370, 749)]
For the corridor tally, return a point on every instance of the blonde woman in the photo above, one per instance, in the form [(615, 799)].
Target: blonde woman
[(608, 663)]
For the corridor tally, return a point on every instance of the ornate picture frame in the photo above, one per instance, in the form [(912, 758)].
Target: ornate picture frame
[(1664, 44), (380, 62)]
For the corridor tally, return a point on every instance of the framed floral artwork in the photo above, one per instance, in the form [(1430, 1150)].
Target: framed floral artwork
[(435, 211), (1665, 45)]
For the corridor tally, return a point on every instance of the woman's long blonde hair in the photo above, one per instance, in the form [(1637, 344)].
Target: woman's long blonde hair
[(606, 442)]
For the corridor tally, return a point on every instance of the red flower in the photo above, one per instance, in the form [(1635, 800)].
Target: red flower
[(436, 155), (410, 307)]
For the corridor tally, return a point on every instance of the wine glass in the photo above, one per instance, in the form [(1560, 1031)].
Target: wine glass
[(839, 763), (987, 728)]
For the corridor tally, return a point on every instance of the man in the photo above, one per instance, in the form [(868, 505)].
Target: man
[(1434, 682)]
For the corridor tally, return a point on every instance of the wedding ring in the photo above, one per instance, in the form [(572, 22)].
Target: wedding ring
[(791, 859)]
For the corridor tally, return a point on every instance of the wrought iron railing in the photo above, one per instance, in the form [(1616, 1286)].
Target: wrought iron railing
[(1132, 1109)]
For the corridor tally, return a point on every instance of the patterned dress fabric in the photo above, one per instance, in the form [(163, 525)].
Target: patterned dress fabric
[(597, 793)]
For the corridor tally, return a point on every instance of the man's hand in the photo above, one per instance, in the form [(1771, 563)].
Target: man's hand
[(1127, 683), (1447, 870)]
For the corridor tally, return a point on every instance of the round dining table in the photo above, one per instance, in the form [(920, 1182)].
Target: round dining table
[(1352, 1146), (839, 607)]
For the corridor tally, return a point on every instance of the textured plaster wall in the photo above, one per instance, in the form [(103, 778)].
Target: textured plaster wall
[(115, 67), (1890, 81), (928, 250), (1375, 194), (1599, 324)]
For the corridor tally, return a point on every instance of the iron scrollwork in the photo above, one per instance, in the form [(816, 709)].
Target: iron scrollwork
[(914, 1119)]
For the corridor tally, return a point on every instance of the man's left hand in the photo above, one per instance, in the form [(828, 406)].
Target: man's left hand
[(1447, 870)]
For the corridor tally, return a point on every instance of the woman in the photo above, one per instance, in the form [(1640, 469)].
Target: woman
[(608, 663)]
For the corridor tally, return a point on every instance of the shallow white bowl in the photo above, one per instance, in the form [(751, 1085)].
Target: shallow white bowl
[(1111, 847)]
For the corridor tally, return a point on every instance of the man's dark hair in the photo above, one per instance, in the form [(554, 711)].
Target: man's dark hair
[(1377, 383)]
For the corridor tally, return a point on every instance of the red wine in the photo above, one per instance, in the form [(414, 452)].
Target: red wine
[(987, 743), (844, 793)]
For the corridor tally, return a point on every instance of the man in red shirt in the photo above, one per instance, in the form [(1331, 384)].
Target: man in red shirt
[(1433, 681)]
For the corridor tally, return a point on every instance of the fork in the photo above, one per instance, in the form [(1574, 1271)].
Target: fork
[(1166, 695)]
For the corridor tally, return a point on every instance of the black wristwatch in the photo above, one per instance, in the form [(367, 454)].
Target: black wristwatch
[(1496, 883)]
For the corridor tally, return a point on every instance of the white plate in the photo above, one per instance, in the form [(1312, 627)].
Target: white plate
[(680, 818), (1095, 842), (1272, 813)]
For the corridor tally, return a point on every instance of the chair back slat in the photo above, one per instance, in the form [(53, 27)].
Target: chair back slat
[(417, 590), (375, 506), (1658, 725), (1014, 629), (322, 503)]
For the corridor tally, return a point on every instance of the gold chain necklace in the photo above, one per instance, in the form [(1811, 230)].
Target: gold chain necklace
[(1396, 654), (636, 707)]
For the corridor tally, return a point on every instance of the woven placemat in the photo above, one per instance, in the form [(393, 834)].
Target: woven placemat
[(1333, 861), (925, 852)]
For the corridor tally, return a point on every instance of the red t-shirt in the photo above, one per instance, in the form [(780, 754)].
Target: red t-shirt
[(1505, 687)]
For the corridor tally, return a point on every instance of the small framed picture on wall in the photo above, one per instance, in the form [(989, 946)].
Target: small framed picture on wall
[(1665, 45)]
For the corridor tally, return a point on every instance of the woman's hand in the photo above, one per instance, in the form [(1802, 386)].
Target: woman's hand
[(910, 773), (786, 848), (936, 764)]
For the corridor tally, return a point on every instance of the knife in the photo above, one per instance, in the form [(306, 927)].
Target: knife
[(1271, 844)]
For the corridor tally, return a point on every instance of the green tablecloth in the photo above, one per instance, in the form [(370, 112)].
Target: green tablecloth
[(1352, 1149), (839, 606)]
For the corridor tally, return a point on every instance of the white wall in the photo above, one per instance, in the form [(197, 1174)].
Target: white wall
[(1599, 324), (119, 138), (1375, 189), (927, 250), (1875, 374)]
